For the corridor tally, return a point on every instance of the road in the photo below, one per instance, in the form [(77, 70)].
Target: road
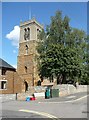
[(72, 106)]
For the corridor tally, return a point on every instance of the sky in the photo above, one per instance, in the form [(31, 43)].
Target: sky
[(13, 13), (0, 30)]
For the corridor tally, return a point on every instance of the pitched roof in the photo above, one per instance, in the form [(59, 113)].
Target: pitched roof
[(5, 64)]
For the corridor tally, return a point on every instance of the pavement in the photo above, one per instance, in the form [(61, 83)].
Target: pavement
[(7, 97), (71, 106)]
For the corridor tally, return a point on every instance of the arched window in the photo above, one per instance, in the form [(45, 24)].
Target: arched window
[(38, 32), (28, 32), (26, 69), (39, 83), (26, 50), (25, 33)]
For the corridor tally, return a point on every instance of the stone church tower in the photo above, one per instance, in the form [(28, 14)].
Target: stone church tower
[(27, 64)]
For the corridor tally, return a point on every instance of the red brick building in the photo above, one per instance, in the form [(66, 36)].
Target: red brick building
[(9, 79)]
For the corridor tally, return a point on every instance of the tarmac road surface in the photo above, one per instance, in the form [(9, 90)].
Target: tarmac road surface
[(72, 106)]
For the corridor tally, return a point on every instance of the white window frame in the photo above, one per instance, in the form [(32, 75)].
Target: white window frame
[(0, 84)]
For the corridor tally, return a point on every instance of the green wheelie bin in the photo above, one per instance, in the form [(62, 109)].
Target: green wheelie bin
[(47, 93)]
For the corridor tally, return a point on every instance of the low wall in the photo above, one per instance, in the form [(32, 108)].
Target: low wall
[(32, 90), (64, 89)]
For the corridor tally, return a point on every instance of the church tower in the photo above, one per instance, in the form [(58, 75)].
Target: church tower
[(27, 64)]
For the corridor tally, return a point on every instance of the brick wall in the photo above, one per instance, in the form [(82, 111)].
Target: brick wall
[(14, 83), (10, 82)]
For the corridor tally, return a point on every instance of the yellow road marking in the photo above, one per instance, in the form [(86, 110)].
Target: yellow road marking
[(39, 113)]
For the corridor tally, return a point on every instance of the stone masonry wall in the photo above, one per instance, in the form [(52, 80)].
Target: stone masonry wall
[(29, 61), (17, 83)]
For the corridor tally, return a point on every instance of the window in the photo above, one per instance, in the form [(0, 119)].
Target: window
[(3, 84), (39, 83), (26, 50), (26, 69), (27, 33), (38, 31)]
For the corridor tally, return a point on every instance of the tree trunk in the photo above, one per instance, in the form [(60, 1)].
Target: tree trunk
[(59, 79), (64, 78)]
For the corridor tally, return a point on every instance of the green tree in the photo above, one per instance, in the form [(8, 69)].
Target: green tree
[(85, 76), (62, 51)]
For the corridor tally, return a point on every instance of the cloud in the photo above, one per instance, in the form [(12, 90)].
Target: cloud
[(14, 51), (14, 36)]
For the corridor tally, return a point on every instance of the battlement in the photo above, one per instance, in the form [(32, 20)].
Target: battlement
[(32, 21)]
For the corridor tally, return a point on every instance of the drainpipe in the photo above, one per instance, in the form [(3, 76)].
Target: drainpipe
[(13, 82), (32, 79)]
